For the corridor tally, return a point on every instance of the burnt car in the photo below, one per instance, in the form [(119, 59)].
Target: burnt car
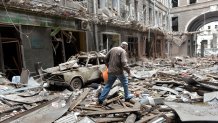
[(77, 71)]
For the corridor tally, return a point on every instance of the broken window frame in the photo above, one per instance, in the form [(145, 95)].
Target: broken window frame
[(150, 16), (111, 34), (132, 46), (144, 13), (116, 6), (102, 4), (156, 18), (216, 27), (137, 16), (175, 3), (192, 1), (175, 27)]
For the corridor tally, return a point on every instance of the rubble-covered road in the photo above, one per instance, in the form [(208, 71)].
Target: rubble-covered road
[(176, 90)]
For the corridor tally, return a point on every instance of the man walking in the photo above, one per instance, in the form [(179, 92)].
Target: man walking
[(116, 61)]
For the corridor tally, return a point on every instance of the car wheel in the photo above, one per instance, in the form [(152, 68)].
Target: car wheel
[(76, 83)]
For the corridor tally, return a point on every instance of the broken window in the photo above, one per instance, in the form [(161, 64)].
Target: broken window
[(101, 3), (136, 9), (192, 1), (156, 18), (164, 21), (11, 62), (214, 41), (82, 61), (150, 16), (175, 23), (144, 13), (127, 2), (174, 3), (216, 26), (109, 4), (203, 46), (102, 60), (132, 46), (125, 14), (110, 40), (93, 61), (115, 6), (67, 43)]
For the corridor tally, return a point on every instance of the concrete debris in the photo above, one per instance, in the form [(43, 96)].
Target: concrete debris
[(163, 91), (69, 118), (211, 98), (86, 120), (195, 112)]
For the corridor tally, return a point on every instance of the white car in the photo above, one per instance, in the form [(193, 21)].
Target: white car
[(77, 71)]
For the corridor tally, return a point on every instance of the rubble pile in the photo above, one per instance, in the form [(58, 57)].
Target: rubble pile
[(181, 89)]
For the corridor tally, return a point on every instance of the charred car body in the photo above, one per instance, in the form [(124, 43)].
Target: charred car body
[(77, 71)]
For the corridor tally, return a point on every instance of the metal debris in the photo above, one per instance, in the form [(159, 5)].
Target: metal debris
[(188, 85), (195, 112)]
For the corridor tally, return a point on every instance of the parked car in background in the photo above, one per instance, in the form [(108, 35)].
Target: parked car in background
[(77, 71)]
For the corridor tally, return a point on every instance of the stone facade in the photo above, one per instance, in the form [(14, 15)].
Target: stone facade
[(47, 28), (146, 13), (191, 17)]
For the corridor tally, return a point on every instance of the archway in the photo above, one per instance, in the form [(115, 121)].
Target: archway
[(195, 25)]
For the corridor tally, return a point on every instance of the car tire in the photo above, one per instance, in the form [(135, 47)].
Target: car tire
[(76, 83)]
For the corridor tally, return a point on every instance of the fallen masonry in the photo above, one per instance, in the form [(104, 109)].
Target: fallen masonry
[(183, 92)]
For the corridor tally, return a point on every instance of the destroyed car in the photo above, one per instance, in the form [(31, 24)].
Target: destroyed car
[(77, 71)]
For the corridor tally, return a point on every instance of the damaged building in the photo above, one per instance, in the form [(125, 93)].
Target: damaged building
[(51, 31), (188, 20), (52, 61), (39, 31)]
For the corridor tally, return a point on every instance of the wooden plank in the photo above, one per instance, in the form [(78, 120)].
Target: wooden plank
[(113, 99), (131, 118), (213, 76), (79, 99), (107, 120), (89, 108), (123, 110), (123, 104), (129, 104)]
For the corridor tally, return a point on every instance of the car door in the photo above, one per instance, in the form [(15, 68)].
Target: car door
[(93, 69), (102, 67)]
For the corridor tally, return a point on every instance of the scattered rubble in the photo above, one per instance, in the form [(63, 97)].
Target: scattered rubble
[(182, 89)]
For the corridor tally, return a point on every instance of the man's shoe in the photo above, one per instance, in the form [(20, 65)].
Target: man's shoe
[(99, 103), (129, 98)]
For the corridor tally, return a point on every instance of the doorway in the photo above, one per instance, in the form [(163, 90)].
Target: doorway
[(203, 47), (132, 47), (11, 56)]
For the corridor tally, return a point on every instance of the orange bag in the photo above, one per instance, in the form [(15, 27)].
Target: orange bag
[(105, 75)]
